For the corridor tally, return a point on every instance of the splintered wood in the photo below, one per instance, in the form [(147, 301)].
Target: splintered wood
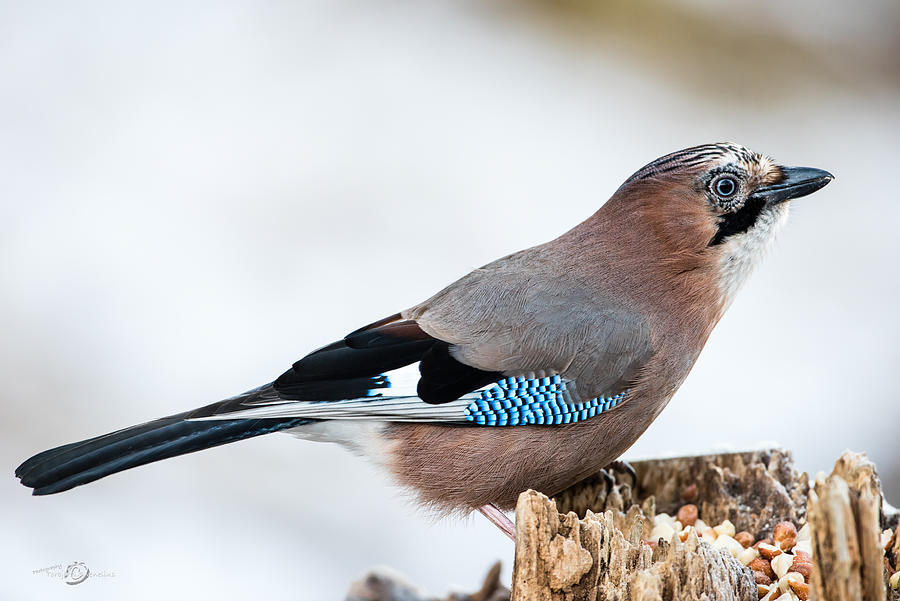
[(608, 553), (562, 558), (845, 515)]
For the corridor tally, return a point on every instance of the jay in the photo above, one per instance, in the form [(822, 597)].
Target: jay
[(534, 371)]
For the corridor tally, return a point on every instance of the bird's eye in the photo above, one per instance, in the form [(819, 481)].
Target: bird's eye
[(726, 186)]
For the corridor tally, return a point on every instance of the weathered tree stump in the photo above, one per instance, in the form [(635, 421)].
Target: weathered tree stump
[(606, 553), (594, 542)]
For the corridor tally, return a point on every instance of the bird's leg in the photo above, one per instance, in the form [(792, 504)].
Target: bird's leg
[(499, 519), (623, 467)]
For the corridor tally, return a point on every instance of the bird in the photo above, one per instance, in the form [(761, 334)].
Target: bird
[(535, 371)]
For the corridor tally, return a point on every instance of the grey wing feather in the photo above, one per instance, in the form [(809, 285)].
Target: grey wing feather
[(530, 312)]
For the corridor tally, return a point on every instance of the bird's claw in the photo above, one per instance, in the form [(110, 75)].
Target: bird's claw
[(623, 467), (608, 480)]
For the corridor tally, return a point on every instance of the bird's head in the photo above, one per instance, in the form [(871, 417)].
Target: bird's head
[(716, 206)]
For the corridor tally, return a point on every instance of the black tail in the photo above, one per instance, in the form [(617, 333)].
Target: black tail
[(78, 463)]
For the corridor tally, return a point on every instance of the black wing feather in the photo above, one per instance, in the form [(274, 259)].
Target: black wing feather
[(445, 379), (355, 365)]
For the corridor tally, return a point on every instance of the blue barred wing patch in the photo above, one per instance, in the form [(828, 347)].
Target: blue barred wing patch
[(533, 401)]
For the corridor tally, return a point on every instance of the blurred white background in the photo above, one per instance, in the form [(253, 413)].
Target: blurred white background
[(196, 194)]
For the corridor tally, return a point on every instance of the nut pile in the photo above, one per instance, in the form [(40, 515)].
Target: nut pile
[(781, 565)]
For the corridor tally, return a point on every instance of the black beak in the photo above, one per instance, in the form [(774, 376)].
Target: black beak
[(797, 182)]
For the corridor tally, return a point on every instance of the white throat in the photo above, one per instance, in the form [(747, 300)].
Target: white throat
[(742, 252)]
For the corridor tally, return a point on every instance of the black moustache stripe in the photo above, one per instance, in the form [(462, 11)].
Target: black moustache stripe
[(738, 222)]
